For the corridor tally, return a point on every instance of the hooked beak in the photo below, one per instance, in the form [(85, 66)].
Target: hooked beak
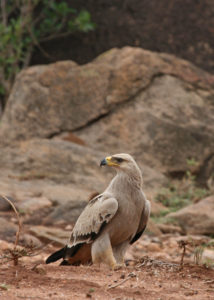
[(103, 162), (108, 161)]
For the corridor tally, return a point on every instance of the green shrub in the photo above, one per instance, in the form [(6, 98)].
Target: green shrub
[(24, 24), (182, 193)]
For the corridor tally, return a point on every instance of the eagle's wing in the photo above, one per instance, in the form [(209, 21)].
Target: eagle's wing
[(98, 212), (143, 221)]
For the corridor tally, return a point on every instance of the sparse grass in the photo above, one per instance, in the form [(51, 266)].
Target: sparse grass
[(180, 194), (160, 218), (15, 254), (163, 220), (198, 253), (192, 162), (173, 198)]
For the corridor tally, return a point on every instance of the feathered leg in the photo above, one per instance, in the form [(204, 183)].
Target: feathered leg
[(119, 252), (101, 251)]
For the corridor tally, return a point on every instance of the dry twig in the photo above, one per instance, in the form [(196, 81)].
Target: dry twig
[(18, 218), (130, 275), (182, 244), (146, 261), (15, 253)]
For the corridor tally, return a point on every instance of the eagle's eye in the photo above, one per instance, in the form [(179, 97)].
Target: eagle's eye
[(118, 159)]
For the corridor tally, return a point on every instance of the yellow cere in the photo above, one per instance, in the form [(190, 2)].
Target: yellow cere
[(110, 162)]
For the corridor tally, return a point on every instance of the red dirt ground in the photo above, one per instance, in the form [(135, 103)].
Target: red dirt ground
[(151, 280)]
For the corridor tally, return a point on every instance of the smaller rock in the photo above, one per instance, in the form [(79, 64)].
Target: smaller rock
[(191, 293), (33, 204), (4, 205), (47, 234), (65, 213), (153, 229), (153, 247), (61, 194), (208, 257), (196, 218), (39, 270), (167, 228), (5, 245), (157, 208), (7, 230), (30, 240), (68, 227), (14, 220), (155, 239)]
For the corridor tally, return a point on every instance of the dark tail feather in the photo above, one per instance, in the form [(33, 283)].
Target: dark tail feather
[(56, 255), (137, 235), (64, 253), (71, 251)]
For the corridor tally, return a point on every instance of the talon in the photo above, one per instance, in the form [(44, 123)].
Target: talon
[(118, 267)]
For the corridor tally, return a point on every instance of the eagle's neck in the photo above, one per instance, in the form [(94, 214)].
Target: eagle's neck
[(126, 181)]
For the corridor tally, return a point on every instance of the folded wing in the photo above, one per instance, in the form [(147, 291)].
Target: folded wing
[(98, 212), (143, 221)]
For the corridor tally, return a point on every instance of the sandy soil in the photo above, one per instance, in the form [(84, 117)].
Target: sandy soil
[(148, 279), (153, 272)]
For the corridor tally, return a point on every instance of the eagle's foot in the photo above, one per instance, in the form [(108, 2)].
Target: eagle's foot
[(117, 267)]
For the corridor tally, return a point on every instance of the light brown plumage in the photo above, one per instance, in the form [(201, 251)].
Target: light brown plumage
[(111, 221)]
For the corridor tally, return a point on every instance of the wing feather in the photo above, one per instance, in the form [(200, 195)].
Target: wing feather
[(143, 221), (98, 212)]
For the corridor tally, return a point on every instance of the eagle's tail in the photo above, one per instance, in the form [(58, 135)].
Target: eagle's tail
[(56, 255), (65, 252)]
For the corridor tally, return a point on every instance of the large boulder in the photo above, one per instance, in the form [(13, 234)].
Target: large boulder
[(62, 119), (54, 160), (196, 218), (155, 106), (60, 171)]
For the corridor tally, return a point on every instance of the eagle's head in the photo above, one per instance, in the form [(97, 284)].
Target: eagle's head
[(121, 162)]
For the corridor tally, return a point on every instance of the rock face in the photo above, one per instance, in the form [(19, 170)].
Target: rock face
[(154, 106), (65, 213), (62, 119), (34, 204), (197, 218), (58, 236)]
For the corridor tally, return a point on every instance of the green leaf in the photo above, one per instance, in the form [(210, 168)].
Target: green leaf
[(2, 90), (23, 29), (83, 21)]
